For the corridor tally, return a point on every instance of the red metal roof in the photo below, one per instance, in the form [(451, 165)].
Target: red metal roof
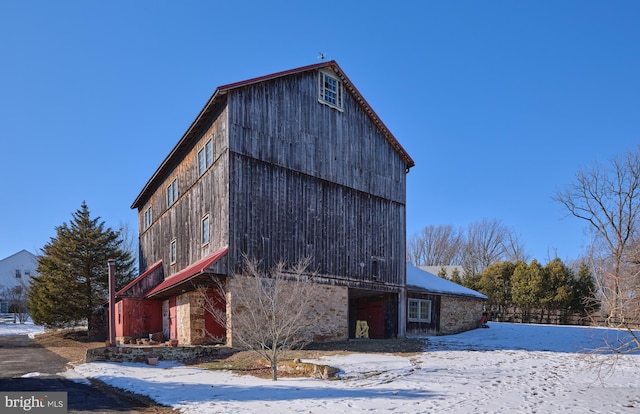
[(188, 273), (234, 85)]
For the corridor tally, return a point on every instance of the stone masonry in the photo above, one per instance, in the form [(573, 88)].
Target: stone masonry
[(459, 314), (329, 312)]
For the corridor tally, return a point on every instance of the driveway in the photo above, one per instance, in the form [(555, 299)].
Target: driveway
[(27, 366)]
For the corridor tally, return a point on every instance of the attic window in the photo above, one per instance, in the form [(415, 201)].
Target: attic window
[(330, 90)]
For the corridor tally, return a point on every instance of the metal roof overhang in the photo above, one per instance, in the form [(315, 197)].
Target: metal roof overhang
[(189, 277)]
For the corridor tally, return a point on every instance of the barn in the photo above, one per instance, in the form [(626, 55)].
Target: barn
[(284, 166)]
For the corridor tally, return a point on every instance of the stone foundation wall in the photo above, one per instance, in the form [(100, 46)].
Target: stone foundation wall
[(459, 314), (140, 354), (329, 312)]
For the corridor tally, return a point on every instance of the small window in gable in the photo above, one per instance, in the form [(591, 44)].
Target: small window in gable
[(172, 192), (205, 157), (330, 91)]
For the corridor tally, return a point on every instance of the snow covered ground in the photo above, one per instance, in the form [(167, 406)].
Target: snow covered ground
[(509, 368)]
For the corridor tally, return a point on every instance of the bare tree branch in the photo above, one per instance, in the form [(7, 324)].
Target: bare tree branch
[(607, 197), (268, 312)]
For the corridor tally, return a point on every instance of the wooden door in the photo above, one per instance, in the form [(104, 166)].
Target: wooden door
[(173, 329), (373, 313), (213, 328)]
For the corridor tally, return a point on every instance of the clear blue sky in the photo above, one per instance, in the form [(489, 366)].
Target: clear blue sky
[(498, 102)]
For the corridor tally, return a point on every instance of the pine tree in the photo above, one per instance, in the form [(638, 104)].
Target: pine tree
[(527, 287), (557, 287), (496, 284), (584, 298), (73, 278)]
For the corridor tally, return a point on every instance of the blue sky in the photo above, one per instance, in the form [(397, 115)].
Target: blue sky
[(498, 102)]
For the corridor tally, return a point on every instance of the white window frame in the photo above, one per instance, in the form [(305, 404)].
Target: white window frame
[(204, 228), (205, 157), (330, 90), (148, 217), (173, 251), (420, 304), (172, 192)]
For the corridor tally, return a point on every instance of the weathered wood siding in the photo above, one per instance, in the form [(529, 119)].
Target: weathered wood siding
[(308, 179), (197, 197), (283, 214), (281, 122)]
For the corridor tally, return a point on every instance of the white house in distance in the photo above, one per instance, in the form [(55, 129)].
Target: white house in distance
[(437, 306), (15, 271)]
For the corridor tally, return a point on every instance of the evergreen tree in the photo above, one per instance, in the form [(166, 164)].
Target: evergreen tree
[(527, 287), (73, 278), (495, 282), (456, 277), (557, 287), (584, 299)]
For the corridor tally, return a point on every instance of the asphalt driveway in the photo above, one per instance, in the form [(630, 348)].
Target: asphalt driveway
[(27, 366)]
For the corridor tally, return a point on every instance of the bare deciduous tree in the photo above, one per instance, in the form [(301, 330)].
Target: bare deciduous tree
[(514, 248), (435, 246), (485, 245), (607, 197), (269, 312), (17, 296)]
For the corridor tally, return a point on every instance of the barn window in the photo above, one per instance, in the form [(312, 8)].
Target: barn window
[(330, 90), (419, 310), (148, 218), (18, 274), (172, 192), (172, 252), (205, 157), (205, 229)]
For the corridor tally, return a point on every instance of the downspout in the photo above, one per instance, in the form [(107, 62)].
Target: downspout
[(112, 302)]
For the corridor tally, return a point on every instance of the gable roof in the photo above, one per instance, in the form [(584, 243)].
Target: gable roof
[(22, 252), (418, 279), (220, 94)]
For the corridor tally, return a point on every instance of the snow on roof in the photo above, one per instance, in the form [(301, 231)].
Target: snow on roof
[(428, 281)]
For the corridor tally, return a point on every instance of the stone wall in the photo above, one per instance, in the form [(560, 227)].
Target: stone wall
[(459, 314), (329, 312), (140, 353), (183, 317)]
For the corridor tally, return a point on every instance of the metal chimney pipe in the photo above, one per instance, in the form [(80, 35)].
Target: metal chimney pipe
[(112, 302)]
